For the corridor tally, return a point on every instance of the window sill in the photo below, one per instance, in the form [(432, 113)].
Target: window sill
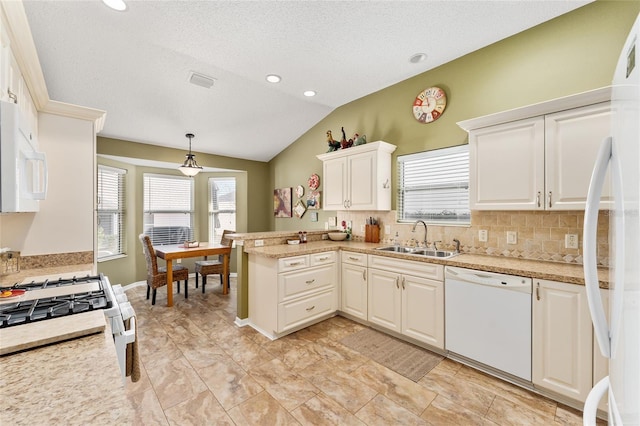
[(114, 257)]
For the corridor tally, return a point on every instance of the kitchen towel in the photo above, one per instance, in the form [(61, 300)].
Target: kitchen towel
[(132, 368)]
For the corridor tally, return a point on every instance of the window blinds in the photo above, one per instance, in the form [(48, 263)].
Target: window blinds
[(111, 211), (168, 208), (222, 206), (434, 185)]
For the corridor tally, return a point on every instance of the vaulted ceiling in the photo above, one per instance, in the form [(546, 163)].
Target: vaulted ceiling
[(135, 64)]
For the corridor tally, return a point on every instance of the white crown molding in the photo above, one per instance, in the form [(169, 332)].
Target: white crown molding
[(560, 104), (75, 111), (24, 50)]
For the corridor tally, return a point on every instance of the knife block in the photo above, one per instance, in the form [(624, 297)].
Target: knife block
[(372, 233)]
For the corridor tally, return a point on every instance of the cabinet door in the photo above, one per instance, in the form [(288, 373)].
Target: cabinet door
[(423, 310), (362, 183), (507, 166), (572, 141), (334, 184), (354, 290), (385, 300), (562, 339)]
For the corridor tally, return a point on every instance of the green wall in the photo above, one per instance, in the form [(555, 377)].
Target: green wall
[(251, 186), (573, 53)]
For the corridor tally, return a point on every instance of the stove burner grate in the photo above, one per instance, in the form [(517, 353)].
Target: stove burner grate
[(28, 311)]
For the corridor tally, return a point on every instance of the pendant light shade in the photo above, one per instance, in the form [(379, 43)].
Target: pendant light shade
[(190, 167)]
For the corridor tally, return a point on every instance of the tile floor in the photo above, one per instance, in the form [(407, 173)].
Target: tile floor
[(199, 368)]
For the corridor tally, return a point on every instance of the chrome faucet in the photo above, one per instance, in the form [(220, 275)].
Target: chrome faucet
[(425, 231), (457, 245)]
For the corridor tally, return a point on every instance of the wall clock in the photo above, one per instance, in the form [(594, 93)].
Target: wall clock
[(429, 105)]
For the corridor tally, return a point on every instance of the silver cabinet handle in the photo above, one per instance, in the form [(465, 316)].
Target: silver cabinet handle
[(296, 263), (538, 199), (549, 199), (403, 283), (324, 258), (538, 291), (310, 281), (311, 308), (364, 275), (353, 258), (397, 284)]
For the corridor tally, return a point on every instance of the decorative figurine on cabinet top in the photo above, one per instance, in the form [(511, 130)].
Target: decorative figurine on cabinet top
[(334, 145), (359, 140), (344, 142)]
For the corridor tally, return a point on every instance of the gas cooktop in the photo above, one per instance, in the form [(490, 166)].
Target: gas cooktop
[(39, 303)]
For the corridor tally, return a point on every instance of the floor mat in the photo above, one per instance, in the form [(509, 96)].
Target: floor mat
[(404, 358)]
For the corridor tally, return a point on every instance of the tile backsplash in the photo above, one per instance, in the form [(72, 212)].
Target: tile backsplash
[(540, 235)]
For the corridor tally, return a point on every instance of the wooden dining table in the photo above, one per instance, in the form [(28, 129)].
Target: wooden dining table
[(172, 252)]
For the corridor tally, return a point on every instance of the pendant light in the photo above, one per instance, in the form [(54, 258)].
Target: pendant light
[(190, 167)]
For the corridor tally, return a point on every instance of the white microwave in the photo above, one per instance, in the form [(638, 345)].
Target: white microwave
[(23, 170)]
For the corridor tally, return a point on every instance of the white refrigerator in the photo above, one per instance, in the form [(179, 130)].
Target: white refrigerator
[(619, 335)]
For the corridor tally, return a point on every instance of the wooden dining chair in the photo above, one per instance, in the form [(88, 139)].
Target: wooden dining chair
[(157, 276), (212, 267)]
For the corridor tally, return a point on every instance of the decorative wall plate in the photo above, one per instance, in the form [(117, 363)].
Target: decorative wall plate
[(314, 182), (299, 191)]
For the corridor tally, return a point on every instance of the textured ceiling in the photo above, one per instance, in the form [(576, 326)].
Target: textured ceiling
[(135, 64)]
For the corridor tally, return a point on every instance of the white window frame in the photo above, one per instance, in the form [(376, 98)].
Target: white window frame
[(111, 202), (434, 186), (168, 218), (216, 210)]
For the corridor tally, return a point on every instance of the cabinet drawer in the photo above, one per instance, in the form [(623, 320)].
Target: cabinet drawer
[(353, 258), (297, 312), (421, 269), (293, 263), (296, 283), (323, 258)]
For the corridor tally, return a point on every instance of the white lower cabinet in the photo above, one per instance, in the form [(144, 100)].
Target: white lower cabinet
[(562, 339), (407, 297), (289, 293), (354, 284)]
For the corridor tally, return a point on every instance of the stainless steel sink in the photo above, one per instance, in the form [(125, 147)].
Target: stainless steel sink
[(441, 254), (400, 249)]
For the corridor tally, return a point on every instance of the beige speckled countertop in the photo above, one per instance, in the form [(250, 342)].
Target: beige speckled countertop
[(72, 382), (554, 271)]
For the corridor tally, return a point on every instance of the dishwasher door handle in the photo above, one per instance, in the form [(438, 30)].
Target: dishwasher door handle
[(509, 283)]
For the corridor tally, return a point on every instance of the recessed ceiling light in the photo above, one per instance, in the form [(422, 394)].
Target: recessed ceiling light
[(118, 5), (309, 93), (418, 57), (273, 78)]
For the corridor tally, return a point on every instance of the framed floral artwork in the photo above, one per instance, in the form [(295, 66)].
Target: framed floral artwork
[(282, 202), (313, 200)]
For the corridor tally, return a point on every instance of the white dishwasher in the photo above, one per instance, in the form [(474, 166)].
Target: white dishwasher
[(488, 319)]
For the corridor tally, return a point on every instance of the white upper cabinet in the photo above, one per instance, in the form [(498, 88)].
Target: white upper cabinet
[(357, 178), (538, 157), (13, 87), (572, 140), (506, 167)]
